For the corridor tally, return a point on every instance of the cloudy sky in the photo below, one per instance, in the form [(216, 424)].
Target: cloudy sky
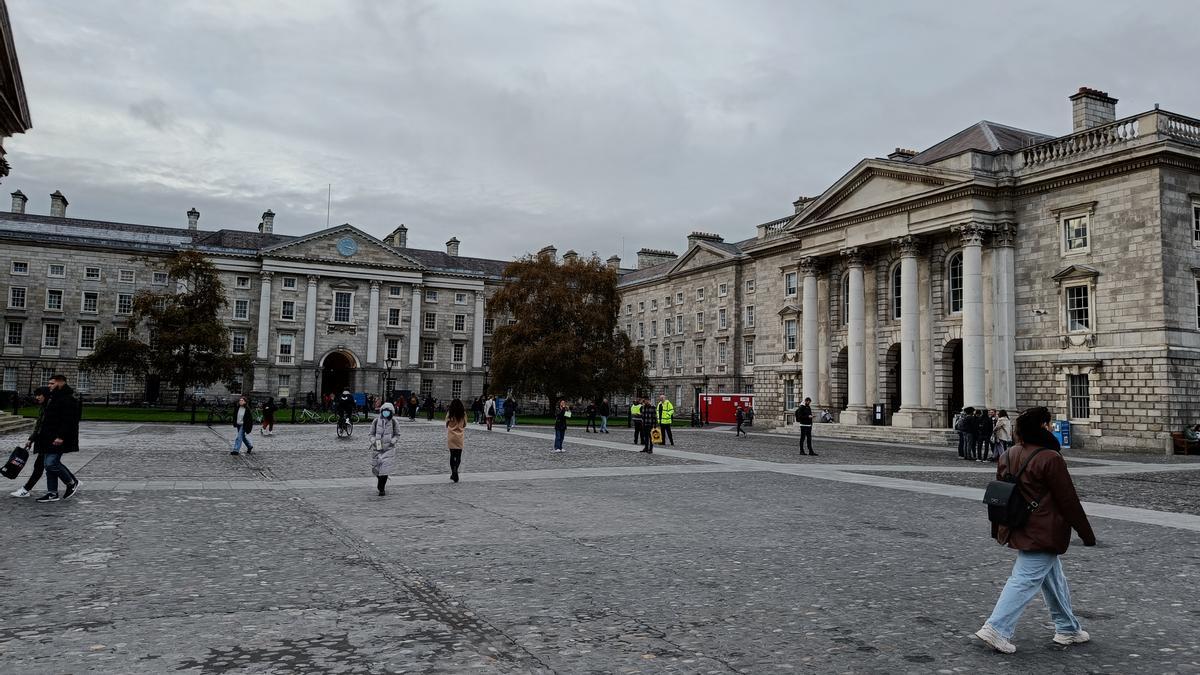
[(606, 125)]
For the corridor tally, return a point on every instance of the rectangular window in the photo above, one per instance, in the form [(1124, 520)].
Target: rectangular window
[(699, 295), (15, 335), (430, 321), (47, 373), (118, 383), (749, 352), (19, 267), (1078, 316), (91, 302), (460, 322), (722, 349), (699, 321), (160, 278), (679, 324), (654, 329), (1196, 222), (287, 311), (722, 290), (789, 394), (83, 384), (789, 284), (641, 306), (1198, 302), (641, 330), (393, 349), (749, 316), (666, 357), (50, 335), (750, 285), (123, 334), (91, 273), (668, 325), (238, 343), (10, 378), (242, 282), (722, 320), (431, 296), (87, 337), (789, 335), (1080, 396), (654, 305), (629, 308), (1075, 234), (679, 298), (57, 271), (54, 300), (395, 291), (241, 308), (284, 381), (428, 354), (678, 356), (286, 344), (342, 302), (456, 389), (125, 276), (426, 388), (489, 326), (487, 355), (667, 301), (460, 298), (700, 355), (16, 297), (289, 284), (125, 303), (393, 316), (652, 357)]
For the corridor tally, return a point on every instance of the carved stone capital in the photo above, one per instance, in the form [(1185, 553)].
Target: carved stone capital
[(973, 233), (312, 279), (266, 275), (809, 267), (907, 246), (1005, 235), (854, 257), (375, 285)]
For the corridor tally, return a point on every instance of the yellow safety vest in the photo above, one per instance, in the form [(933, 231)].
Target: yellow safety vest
[(666, 412)]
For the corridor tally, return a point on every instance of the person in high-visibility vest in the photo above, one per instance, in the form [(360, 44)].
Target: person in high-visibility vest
[(635, 411), (666, 413)]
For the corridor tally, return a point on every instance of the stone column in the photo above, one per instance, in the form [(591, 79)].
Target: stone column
[(310, 320), (373, 324), (809, 340), (856, 395), (972, 315), (414, 343), (477, 332), (1004, 384), (911, 413), (264, 316)]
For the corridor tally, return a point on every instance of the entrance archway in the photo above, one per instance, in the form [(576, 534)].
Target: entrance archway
[(891, 380), (839, 383), (951, 379), (337, 373)]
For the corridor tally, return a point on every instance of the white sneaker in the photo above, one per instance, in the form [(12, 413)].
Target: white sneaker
[(996, 640), (22, 492), (1072, 638)]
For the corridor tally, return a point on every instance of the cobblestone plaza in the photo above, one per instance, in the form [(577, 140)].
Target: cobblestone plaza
[(718, 555)]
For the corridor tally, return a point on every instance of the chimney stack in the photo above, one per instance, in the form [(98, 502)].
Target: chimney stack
[(1091, 108), (268, 222), (570, 256), (399, 237), (452, 246), (703, 236), (19, 200), (548, 252), (193, 218), (58, 205), (902, 154), (649, 257), (802, 203), (614, 263)]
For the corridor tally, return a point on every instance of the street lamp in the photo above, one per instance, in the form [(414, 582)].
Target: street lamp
[(487, 373)]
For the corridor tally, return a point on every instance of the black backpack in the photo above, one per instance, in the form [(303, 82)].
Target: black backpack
[(1005, 504)]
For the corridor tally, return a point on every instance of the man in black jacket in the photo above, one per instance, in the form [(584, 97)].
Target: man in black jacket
[(804, 418), (59, 434)]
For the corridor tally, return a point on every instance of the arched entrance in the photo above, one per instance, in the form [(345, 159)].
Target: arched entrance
[(337, 372), (891, 380), (951, 383), (839, 383)]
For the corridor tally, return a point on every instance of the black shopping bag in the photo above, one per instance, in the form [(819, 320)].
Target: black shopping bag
[(16, 462)]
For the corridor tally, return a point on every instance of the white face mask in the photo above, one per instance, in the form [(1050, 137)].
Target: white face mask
[(387, 413)]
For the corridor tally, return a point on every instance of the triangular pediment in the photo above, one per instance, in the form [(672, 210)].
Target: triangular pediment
[(343, 244), (876, 182), (700, 255), (1076, 272)]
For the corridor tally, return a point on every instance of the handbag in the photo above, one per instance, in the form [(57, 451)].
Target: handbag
[(1006, 504), (656, 436), (16, 462)]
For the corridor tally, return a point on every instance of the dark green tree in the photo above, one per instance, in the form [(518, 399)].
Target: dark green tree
[(565, 341), (187, 343)]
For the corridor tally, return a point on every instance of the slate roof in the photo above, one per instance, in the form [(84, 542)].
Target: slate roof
[(444, 262), (985, 136), (240, 240)]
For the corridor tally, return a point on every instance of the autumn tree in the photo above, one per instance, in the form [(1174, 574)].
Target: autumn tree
[(187, 343), (565, 340)]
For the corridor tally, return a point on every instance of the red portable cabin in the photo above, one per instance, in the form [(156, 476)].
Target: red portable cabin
[(721, 408)]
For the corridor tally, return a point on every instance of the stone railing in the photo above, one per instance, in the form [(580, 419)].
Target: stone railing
[(1149, 127), (773, 229), (1179, 127)]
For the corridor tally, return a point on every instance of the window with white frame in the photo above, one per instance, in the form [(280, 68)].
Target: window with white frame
[(91, 302), (489, 326), (845, 304), (118, 382), (789, 394), (789, 335), (14, 334), (395, 291), (287, 310), (87, 337), (1196, 223), (343, 302), (954, 283), (287, 345), (641, 306), (750, 285), (722, 290), (487, 355), (54, 297), (678, 356), (431, 296), (1198, 302), (237, 343), (699, 295), (283, 381), (393, 318), (789, 284), (749, 316), (699, 354), (126, 276), (679, 298), (125, 303), (56, 270), (430, 321), (47, 373), (699, 321), (722, 352), (289, 284), (654, 328), (748, 352), (426, 387), (50, 333), (123, 332), (16, 297), (641, 330), (666, 357), (456, 389), (91, 273), (428, 351), (629, 330), (654, 305), (10, 378), (1079, 396), (1078, 308), (1075, 233), (652, 357), (19, 267), (628, 308), (668, 325), (896, 291), (460, 322), (83, 383), (722, 319), (458, 352), (392, 351), (160, 278), (242, 282), (241, 309), (460, 298)]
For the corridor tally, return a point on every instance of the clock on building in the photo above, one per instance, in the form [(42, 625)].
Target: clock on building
[(347, 246)]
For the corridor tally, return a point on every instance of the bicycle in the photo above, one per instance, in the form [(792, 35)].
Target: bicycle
[(306, 416), (345, 427)]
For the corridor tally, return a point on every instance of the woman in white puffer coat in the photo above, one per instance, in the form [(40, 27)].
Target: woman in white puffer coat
[(385, 432)]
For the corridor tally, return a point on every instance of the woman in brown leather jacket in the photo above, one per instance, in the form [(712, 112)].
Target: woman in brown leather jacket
[(1043, 539)]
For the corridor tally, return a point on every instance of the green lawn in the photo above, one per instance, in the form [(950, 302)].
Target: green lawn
[(104, 413)]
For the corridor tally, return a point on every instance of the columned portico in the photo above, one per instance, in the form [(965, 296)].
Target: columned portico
[(264, 332), (809, 338), (310, 320), (856, 336), (911, 413), (974, 393), (373, 324)]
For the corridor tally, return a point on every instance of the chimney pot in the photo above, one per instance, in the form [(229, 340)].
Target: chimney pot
[(18, 202), (570, 256), (399, 237), (902, 154), (703, 236), (58, 204), (193, 218), (548, 252), (452, 246), (614, 262), (649, 257), (1091, 108), (267, 226)]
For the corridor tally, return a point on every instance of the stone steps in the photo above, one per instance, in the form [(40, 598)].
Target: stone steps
[(939, 437), (11, 424)]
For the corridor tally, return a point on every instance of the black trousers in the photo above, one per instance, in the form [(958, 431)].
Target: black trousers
[(637, 432), (806, 435), (666, 432), (455, 460), (739, 429), (38, 468)]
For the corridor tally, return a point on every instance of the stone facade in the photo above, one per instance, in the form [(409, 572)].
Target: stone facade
[(1000, 268)]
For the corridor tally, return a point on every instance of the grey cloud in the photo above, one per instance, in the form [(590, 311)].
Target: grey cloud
[(154, 112)]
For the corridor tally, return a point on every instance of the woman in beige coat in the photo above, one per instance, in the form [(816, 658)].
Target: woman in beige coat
[(456, 425)]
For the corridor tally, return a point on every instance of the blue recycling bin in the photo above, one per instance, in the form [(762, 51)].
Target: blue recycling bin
[(1062, 432)]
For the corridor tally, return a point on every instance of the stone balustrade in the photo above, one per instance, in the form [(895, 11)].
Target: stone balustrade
[(1156, 125)]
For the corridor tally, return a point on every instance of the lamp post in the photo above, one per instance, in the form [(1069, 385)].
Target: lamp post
[(487, 374)]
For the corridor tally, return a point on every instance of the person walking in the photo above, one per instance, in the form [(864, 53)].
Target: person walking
[(510, 413), (665, 411), (477, 409), (456, 425), (804, 418), (412, 407), (1002, 433), (385, 433), (1042, 474), (489, 411), (41, 395), (268, 412), (739, 416), (604, 409), (243, 426), (591, 419), (560, 425), (58, 435), (429, 405), (635, 412), (649, 412)]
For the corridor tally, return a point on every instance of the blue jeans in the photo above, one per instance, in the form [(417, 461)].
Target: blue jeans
[(1033, 572), (604, 424), (239, 438), (558, 438), (509, 422), (55, 470)]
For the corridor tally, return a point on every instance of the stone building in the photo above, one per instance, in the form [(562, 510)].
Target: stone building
[(332, 309), (1000, 267), (14, 109)]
